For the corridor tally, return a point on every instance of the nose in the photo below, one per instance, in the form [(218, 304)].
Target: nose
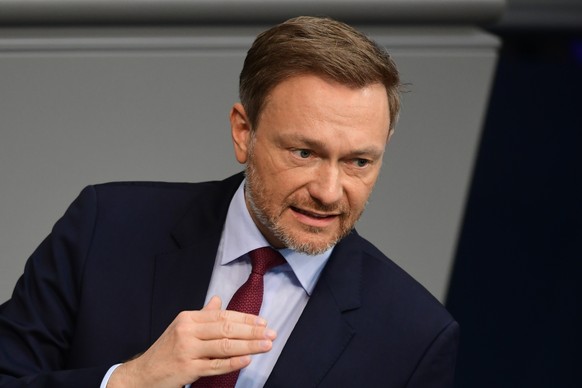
[(326, 185)]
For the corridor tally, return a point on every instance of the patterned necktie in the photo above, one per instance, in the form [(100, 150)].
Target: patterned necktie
[(247, 299)]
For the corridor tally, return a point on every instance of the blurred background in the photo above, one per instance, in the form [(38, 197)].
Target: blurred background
[(479, 197), (516, 287)]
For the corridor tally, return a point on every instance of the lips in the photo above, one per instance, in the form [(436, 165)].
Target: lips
[(314, 219), (313, 214)]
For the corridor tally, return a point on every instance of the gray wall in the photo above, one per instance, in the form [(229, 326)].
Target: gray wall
[(102, 102)]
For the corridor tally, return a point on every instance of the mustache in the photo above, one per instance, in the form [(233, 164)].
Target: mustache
[(315, 205)]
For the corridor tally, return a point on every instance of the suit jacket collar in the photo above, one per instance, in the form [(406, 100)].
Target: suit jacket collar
[(323, 331), (181, 277)]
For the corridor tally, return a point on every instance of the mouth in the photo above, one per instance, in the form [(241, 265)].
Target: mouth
[(312, 214), (312, 218)]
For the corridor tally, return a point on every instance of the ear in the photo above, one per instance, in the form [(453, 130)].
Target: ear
[(241, 132), (390, 133)]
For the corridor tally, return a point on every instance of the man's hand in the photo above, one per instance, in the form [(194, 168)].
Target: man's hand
[(197, 343)]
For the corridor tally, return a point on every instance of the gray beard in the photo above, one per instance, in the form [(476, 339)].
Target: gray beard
[(271, 223)]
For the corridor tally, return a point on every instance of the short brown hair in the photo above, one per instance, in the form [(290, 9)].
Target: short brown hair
[(319, 46)]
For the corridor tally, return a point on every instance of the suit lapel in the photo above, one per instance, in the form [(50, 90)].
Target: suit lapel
[(181, 277), (323, 331)]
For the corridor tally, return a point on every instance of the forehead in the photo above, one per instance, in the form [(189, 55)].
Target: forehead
[(309, 100)]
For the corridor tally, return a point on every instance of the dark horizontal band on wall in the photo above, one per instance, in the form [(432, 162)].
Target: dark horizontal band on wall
[(548, 15), (225, 39), (34, 12)]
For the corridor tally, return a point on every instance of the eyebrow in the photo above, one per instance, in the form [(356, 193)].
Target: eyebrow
[(373, 152)]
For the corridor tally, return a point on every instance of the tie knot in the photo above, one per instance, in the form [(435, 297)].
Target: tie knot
[(265, 258)]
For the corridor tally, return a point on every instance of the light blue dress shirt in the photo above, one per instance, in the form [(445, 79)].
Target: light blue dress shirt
[(287, 287)]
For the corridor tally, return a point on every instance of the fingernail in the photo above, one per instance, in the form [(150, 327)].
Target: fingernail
[(270, 334), (265, 344), (261, 321)]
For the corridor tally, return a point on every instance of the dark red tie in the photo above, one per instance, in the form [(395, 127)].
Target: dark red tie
[(247, 299)]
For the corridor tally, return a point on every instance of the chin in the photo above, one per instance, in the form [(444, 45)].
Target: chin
[(308, 242)]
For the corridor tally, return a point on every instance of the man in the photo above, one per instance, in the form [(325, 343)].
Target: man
[(128, 289)]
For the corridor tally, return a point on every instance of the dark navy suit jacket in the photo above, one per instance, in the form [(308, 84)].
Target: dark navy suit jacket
[(126, 258)]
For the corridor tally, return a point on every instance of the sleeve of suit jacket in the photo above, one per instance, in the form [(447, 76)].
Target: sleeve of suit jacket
[(37, 323)]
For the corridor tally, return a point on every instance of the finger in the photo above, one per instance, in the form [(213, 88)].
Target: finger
[(220, 366), (215, 303), (232, 330), (211, 315), (227, 348)]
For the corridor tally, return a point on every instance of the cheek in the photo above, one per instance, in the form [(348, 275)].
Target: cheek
[(359, 194), (288, 182), (278, 191)]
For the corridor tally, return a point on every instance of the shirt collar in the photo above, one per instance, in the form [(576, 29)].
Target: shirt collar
[(241, 236)]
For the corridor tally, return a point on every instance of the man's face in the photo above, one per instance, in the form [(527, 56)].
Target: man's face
[(313, 159)]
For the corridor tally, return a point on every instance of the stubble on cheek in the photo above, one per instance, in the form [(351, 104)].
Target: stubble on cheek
[(278, 219)]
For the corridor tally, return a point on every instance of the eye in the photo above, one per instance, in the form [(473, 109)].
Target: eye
[(303, 154), (361, 163)]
